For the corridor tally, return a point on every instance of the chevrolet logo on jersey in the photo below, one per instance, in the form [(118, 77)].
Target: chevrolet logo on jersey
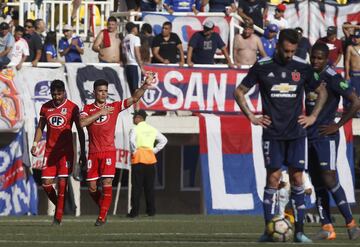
[(57, 121), (283, 90)]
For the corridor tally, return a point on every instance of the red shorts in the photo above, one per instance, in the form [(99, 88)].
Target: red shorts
[(101, 164), (57, 164)]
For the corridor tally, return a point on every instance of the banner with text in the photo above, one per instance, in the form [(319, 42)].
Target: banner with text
[(18, 191), (197, 89)]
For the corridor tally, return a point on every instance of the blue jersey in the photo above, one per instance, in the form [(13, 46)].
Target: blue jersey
[(183, 5), (282, 89), (336, 86)]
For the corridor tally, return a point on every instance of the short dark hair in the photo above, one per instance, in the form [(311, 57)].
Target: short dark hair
[(100, 82), (319, 46), (289, 35), (167, 23), (147, 28), (30, 21), (37, 23), (112, 18), (19, 29), (57, 85)]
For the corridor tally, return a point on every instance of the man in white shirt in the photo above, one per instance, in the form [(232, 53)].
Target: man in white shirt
[(131, 49), (278, 18), (20, 51), (143, 161)]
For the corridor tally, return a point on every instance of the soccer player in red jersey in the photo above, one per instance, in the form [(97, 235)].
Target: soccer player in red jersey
[(100, 119), (58, 115)]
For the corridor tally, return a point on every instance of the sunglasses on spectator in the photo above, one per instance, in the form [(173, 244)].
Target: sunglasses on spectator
[(27, 26)]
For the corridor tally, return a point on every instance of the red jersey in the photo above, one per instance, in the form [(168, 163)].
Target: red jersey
[(102, 130), (59, 120), (335, 48)]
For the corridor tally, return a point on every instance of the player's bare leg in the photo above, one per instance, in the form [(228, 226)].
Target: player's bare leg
[(94, 192), (49, 189)]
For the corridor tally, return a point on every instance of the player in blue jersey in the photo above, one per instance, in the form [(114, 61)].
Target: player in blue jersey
[(281, 83), (323, 138)]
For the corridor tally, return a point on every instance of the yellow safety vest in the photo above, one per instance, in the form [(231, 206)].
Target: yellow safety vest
[(145, 136)]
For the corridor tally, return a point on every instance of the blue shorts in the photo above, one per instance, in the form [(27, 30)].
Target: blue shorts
[(323, 154), (290, 153), (355, 81), (132, 76)]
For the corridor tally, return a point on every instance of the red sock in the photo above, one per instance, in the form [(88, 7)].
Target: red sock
[(51, 193), (61, 198), (106, 201), (96, 196)]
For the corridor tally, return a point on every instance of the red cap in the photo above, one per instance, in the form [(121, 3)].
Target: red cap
[(281, 7)]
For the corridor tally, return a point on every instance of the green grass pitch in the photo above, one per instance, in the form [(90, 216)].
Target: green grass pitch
[(159, 231)]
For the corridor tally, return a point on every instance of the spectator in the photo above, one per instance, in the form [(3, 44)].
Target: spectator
[(352, 62), (202, 46), (50, 50), (131, 48), (34, 42), (334, 45), (348, 30), (71, 46), (20, 51), (253, 10), (143, 161), (132, 5), (146, 39), (247, 45), (149, 5), (219, 5), (278, 18), (39, 38), (6, 44), (172, 6), (167, 47), (107, 43), (269, 39), (304, 46)]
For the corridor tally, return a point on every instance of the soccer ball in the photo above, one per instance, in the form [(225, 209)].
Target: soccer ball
[(279, 229)]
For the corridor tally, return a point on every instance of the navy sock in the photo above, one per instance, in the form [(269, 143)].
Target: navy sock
[(298, 203), (339, 196), (269, 203), (323, 205)]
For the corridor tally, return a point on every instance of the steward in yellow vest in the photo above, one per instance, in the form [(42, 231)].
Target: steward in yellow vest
[(143, 160)]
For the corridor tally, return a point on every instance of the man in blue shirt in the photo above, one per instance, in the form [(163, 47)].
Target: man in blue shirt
[(71, 46), (202, 46), (323, 142), (7, 42), (269, 39), (281, 83)]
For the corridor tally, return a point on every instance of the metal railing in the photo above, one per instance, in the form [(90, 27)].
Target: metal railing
[(57, 13)]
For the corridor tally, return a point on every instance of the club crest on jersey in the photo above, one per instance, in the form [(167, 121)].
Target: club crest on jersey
[(57, 121), (295, 76), (63, 111)]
